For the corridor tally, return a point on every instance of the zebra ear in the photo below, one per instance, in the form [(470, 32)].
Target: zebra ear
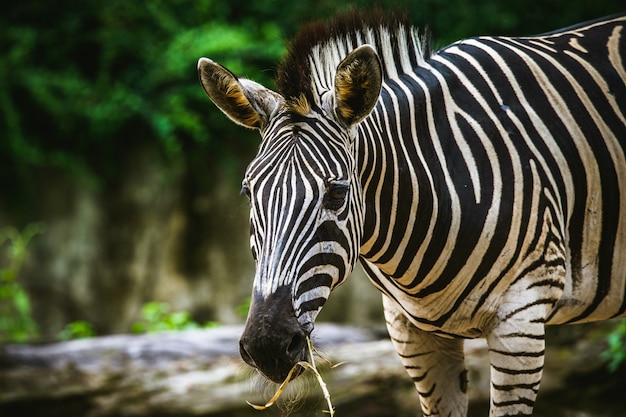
[(244, 101), (358, 81)]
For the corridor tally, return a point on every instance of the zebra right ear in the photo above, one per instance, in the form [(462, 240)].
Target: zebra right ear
[(358, 81), (246, 103)]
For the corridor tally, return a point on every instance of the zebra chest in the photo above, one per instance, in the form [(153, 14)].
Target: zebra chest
[(462, 296)]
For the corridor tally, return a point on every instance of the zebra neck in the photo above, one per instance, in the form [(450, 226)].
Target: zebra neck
[(398, 191)]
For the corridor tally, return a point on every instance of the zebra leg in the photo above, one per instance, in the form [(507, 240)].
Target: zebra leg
[(436, 364), (516, 354)]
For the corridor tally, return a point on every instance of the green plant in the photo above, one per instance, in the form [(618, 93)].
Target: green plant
[(16, 323), (616, 352), (157, 317), (243, 308), (79, 329)]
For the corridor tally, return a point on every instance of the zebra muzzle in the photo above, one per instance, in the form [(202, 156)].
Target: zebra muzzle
[(273, 341)]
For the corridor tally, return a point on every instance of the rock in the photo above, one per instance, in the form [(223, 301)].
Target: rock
[(180, 373), (199, 373)]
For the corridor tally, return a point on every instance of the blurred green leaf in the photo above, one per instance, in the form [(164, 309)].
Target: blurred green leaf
[(77, 330), (615, 354), (243, 308), (156, 317), (16, 322)]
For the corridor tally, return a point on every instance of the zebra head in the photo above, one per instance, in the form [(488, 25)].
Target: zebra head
[(306, 209)]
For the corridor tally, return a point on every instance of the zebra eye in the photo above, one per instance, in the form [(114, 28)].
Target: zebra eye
[(335, 196)]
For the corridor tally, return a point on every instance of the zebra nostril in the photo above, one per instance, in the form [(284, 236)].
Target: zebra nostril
[(296, 346), (245, 355)]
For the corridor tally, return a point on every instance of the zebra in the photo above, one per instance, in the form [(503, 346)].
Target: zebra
[(482, 187)]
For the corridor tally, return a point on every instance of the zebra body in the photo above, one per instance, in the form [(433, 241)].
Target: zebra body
[(519, 185), (483, 187)]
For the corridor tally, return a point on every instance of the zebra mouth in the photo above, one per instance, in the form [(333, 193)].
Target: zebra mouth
[(279, 372), (279, 378), (276, 361)]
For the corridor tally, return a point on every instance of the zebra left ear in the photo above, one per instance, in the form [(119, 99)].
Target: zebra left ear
[(358, 81)]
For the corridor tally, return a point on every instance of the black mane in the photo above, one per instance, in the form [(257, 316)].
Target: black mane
[(294, 77)]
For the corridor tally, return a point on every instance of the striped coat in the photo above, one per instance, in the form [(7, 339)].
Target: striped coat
[(482, 186)]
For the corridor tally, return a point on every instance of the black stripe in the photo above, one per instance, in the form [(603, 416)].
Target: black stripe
[(426, 394), (517, 371), (519, 354), (534, 387)]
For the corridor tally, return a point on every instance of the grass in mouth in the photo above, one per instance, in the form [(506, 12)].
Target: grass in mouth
[(308, 366)]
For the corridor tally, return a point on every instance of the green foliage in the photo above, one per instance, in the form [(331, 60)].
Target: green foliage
[(243, 308), (451, 20), (99, 74), (157, 317), (77, 330), (81, 82), (616, 352), (16, 323)]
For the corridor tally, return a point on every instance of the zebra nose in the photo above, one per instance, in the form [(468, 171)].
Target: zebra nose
[(291, 353), (273, 340), (273, 353), (273, 349)]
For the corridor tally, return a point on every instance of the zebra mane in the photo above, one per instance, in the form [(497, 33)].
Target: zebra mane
[(314, 54)]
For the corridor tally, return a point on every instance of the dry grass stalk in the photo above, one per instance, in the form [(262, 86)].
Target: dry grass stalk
[(306, 365)]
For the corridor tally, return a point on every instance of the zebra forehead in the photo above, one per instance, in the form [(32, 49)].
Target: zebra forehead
[(303, 157), (308, 69)]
